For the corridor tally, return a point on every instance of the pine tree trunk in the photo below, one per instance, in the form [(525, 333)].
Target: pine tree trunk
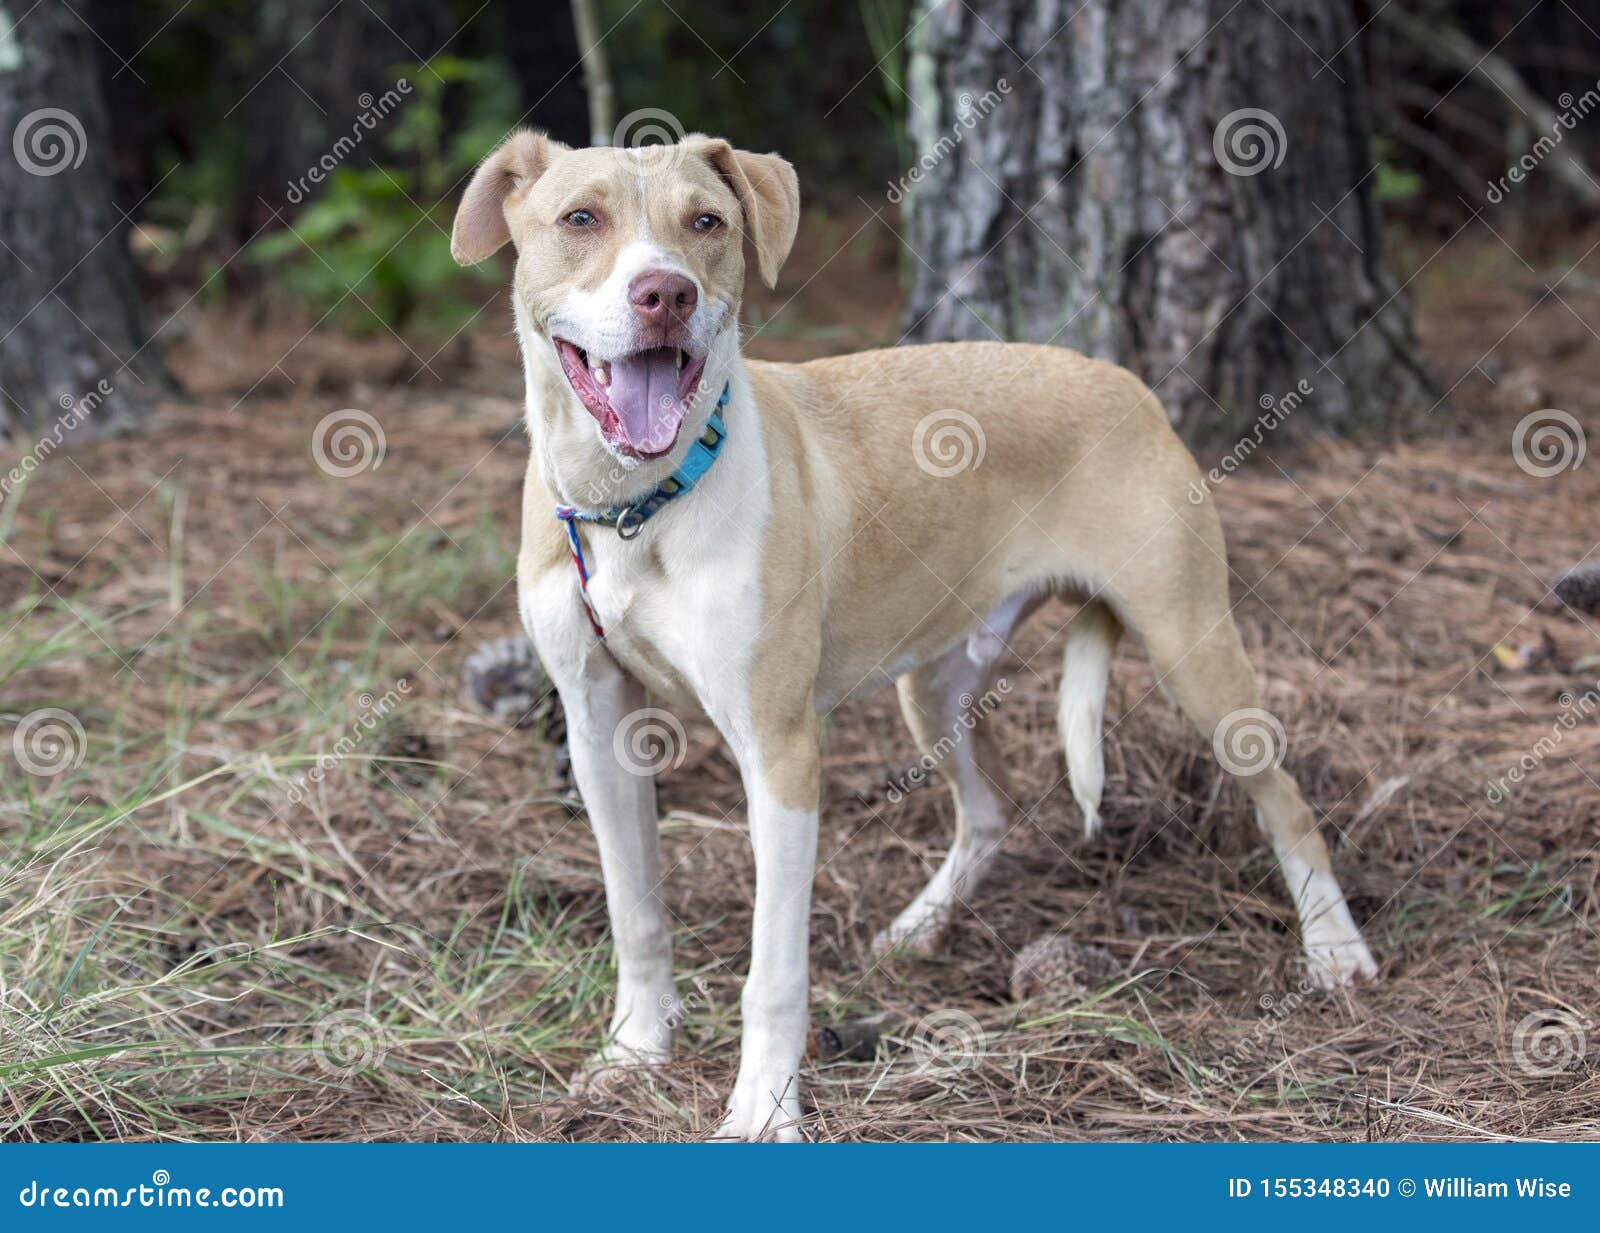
[(75, 359), (1091, 182)]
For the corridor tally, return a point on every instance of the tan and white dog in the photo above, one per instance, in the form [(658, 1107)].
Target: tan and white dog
[(822, 555)]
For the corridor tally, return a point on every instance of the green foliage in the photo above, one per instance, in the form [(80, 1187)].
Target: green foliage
[(1397, 184), (885, 22), (373, 250), (1393, 183)]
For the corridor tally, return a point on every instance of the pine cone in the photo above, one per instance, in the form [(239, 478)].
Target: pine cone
[(1579, 587), (504, 679), (1061, 967)]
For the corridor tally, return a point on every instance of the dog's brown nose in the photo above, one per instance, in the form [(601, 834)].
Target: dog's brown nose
[(662, 298)]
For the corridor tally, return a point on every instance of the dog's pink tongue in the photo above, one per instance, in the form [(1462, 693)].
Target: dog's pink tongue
[(644, 394)]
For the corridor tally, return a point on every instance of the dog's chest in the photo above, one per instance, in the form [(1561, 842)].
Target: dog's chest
[(682, 621)]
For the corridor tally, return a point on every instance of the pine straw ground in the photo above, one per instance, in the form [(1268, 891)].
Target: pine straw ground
[(417, 949)]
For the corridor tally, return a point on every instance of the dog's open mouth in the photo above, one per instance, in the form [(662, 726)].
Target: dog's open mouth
[(639, 400)]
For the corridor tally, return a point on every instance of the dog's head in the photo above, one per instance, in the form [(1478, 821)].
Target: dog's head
[(630, 269)]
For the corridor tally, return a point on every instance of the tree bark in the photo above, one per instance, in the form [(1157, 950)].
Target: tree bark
[(1089, 175), (75, 357)]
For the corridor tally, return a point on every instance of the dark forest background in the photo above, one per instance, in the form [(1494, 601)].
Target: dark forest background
[(216, 107)]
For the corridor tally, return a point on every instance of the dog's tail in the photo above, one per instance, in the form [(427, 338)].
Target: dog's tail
[(1086, 668)]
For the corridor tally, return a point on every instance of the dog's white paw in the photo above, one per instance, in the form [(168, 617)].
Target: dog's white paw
[(617, 1060), (916, 932), (1340, 963), (761, 1112)]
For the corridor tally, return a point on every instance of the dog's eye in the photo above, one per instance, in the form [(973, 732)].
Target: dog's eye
[(707, 222), (581, 218)]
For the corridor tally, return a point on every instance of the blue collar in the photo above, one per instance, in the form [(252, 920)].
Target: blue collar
[(630, 519)]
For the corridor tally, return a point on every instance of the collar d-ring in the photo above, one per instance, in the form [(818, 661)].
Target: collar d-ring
[(630, 522)]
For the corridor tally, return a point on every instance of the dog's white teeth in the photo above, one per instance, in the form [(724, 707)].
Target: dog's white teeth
[(680, 361), (601, 374)]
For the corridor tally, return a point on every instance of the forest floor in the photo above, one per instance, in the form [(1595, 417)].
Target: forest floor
[(200, 938)]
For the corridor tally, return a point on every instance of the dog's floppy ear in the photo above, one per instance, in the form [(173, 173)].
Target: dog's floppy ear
[(480, 228), (769, 193)]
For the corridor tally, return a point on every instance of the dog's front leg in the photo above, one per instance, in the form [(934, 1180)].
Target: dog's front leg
[(781, 776), (620, 799)]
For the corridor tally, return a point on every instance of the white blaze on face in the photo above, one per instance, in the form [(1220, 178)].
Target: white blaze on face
[(602, 321)]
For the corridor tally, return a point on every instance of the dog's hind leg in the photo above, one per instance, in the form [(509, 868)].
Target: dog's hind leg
[(1091, 638), (944, 702), (1200, 662)]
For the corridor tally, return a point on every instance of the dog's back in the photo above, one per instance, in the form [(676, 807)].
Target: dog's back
[(974, 472)]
